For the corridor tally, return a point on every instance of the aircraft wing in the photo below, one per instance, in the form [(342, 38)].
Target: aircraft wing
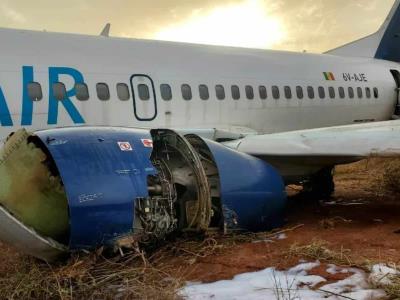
[(304, 152), (219, 133)]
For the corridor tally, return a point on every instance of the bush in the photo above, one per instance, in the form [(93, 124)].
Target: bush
[(391, 176)]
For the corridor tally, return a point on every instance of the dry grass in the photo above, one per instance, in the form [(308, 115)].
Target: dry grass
[(391, 175), (331, 223), (382, 175), (90, 277), (157, 274), (392, 289), (318, 250), (134, 276)]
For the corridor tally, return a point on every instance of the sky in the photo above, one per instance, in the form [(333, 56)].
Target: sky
[(294, 25)]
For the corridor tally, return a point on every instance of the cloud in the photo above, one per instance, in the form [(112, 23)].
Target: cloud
[(317, 26), (314, 25), (247, 24), (12, 14)]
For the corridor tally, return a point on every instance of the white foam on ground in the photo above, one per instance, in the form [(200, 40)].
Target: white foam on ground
[(292, 284), (381, 274), (304, 267), (263, 241), (356, 285), (280, 236), (332, 269)]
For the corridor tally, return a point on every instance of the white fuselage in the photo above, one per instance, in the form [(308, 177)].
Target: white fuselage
[(115, 60)]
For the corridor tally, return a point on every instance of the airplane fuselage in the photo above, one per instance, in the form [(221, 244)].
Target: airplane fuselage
[(174, 85)]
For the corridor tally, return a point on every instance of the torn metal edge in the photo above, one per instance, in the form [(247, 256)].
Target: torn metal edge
[(15, 233)]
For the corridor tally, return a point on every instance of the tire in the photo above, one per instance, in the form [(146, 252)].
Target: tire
[(321, 185)]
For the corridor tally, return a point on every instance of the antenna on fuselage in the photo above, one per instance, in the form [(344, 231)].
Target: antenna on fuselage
[(106, 31)]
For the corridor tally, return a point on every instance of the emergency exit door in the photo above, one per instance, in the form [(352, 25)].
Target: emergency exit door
[(144, 97), (396, 76)]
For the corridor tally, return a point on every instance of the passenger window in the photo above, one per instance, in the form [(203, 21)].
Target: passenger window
[(220, 92), (123, 92), (59, 91), (203, 90), (321, 92), (82, 91), (359, 92), (351, 93), (103, 92), (368, 92), (249, 92), (166, 92), (288, 92), (341, 92), (35, 91), (376, 93), (299, 92), (263, 92), (310, 92), (275, 92), (144, 93), (332, 93), (186, 92), (235, 92)]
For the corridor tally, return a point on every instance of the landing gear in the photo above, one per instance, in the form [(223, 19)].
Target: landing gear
[(320, 186)]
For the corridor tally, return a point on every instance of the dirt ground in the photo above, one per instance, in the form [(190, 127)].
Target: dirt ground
[(361, 222)]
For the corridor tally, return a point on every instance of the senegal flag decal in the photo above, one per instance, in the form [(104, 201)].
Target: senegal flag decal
[(329, 76)]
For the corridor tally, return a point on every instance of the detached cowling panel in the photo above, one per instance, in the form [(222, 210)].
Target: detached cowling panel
[(252, 192), (103, 171)]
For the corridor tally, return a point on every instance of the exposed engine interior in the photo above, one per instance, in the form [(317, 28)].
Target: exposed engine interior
[(181, 195)]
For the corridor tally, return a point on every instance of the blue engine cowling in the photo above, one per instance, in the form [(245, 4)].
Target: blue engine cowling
[(122, 182), (101, 181), (251, 190)]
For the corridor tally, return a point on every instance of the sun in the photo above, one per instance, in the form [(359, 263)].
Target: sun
[(247, 24)]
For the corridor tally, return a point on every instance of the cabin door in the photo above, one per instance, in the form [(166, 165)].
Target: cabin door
[(396, 76), (144, 97)]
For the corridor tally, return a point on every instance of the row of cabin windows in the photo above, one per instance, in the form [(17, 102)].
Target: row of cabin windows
[(82, 92), (103, 92), (276, 92), (219, 92)]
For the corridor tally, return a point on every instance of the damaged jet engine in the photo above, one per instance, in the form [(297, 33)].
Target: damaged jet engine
[(80, 188)]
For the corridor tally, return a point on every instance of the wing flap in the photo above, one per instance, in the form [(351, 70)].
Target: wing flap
[(219, 133)]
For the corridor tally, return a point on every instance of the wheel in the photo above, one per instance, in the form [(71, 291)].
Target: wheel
[(320, 185)]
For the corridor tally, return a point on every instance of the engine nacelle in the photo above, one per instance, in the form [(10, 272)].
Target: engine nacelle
[(85, 187)]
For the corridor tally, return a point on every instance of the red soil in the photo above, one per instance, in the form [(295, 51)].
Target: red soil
[(361, 224)]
